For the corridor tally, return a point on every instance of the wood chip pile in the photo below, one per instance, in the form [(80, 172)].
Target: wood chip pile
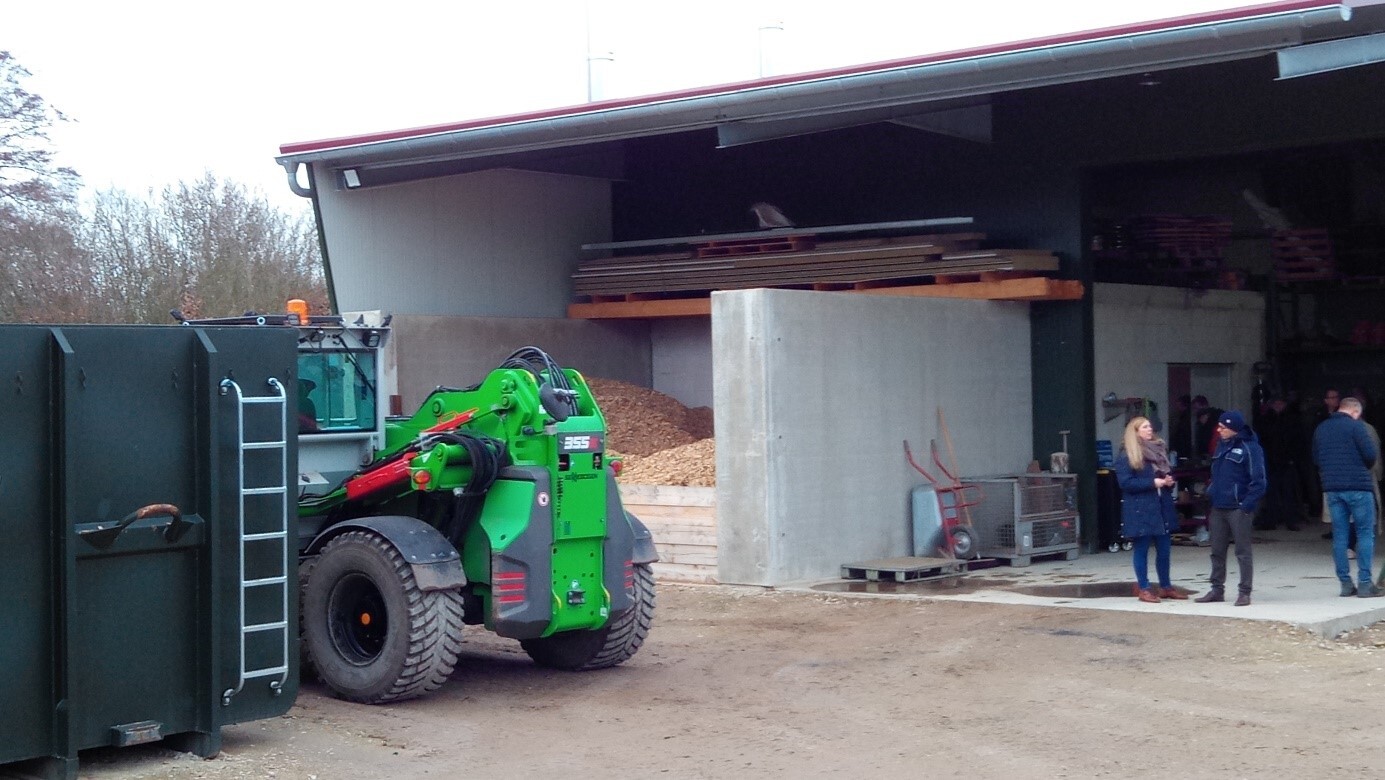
[(661, 441)]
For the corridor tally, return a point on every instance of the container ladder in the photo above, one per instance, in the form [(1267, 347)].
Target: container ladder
[(278, 535)]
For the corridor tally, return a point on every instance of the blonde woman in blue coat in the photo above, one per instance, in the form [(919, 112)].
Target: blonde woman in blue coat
[(1148, 515)]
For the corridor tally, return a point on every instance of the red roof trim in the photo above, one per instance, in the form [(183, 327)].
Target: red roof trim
[(1211, 17)]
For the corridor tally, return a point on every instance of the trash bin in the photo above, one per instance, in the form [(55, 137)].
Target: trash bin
[(149, 537), (1108, 511)]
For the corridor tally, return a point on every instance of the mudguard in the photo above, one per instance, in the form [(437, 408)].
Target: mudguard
[(435, 562), (628, 542)]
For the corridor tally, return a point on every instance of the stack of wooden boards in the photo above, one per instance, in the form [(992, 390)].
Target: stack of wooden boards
[(864, 263)]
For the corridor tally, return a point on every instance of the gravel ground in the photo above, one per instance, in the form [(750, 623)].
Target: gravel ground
[(740, 682)]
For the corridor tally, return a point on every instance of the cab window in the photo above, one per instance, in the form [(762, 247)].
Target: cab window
[(336, 392)]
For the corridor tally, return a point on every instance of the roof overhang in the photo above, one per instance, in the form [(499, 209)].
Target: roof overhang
[(931, 91)]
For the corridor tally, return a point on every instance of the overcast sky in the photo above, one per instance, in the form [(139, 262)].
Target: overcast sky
[(161, 91)]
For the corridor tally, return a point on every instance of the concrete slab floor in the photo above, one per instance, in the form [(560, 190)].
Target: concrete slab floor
[(1294, 583)]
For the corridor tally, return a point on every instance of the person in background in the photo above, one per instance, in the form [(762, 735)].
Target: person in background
[(1281, 438), (1316, 508), (1205, 432), (1181, 428), (1147, 511), (1237, 485), (307, 410), (1344, 452), (1378, 469)]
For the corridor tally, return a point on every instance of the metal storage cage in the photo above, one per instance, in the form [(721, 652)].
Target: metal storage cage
[(1025, 515)]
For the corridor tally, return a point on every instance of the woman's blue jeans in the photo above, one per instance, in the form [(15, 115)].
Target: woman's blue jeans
[(1163, 545)]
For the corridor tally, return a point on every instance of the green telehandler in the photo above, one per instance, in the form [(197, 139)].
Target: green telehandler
[(490, 505)]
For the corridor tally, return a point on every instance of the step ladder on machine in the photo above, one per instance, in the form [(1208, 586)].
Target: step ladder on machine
[(276, 536)]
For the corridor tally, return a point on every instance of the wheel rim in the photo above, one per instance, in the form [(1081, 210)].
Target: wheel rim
[(356, 619), (962, 543)]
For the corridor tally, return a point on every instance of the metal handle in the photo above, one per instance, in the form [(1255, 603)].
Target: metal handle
[(102, 537)]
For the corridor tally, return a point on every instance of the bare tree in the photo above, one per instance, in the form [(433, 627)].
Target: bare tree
[(30, 181), (209, 248), (44, 276)]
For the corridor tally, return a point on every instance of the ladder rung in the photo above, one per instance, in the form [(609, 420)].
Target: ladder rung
[(261, 491), (264, 399), (266, 627), (263, 536), (265, 581), (263, 445), (265, 672)]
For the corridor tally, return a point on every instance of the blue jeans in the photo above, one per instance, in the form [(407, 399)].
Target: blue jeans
[(1163, 546), (1350, 507)]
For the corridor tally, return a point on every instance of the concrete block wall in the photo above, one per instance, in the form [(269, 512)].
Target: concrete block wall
[(815, 394), (1139, 330), (681, 355)]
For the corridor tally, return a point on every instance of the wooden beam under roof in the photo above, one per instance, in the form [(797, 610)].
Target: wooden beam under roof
[(1025, 289)]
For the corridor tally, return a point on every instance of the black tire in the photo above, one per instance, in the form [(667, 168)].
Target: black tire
[(963, 542), (370, 632), (610, 645), (306, 670)]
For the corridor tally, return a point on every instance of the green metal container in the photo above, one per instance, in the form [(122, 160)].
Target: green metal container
[(147, 537)]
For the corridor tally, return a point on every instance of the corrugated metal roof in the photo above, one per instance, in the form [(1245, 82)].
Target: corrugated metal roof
[(1175, 42)]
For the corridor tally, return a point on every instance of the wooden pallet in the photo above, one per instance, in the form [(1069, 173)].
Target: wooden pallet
[(1303, 255), (1020, 561), (904, 569), (754, 247)]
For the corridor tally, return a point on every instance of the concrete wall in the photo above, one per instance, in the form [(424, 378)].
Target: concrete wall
[(682, 358), (1140, 330), (496, 243), (815, 393), (459, 351)]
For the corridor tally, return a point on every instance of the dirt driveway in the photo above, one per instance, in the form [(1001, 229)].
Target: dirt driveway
[(737, 683)]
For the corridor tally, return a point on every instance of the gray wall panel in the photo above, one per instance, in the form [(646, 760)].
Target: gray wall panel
[(815, 393), (681, 350), (496, 243), (1142, 329)]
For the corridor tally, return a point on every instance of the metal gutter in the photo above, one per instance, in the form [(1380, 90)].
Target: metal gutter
[(1133, 49)]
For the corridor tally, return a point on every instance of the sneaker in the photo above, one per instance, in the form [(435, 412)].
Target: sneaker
[(1369, 590), (1347, 590), (1209, 597), (1243, 600)]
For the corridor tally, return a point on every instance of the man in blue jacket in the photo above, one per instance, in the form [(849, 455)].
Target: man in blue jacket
[(1238, 483), (1344, 452)]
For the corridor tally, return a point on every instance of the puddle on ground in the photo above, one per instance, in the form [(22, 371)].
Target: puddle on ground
[(963, 585), (943, 585), (1085, 590)]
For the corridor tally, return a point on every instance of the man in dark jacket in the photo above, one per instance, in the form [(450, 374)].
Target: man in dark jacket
[(1344, 452), (1237, 485)]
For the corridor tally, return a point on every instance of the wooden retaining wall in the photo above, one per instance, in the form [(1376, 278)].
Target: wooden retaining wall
[(683, 521)]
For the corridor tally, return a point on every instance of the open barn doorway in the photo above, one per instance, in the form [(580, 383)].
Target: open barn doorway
[(1191, 384)]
